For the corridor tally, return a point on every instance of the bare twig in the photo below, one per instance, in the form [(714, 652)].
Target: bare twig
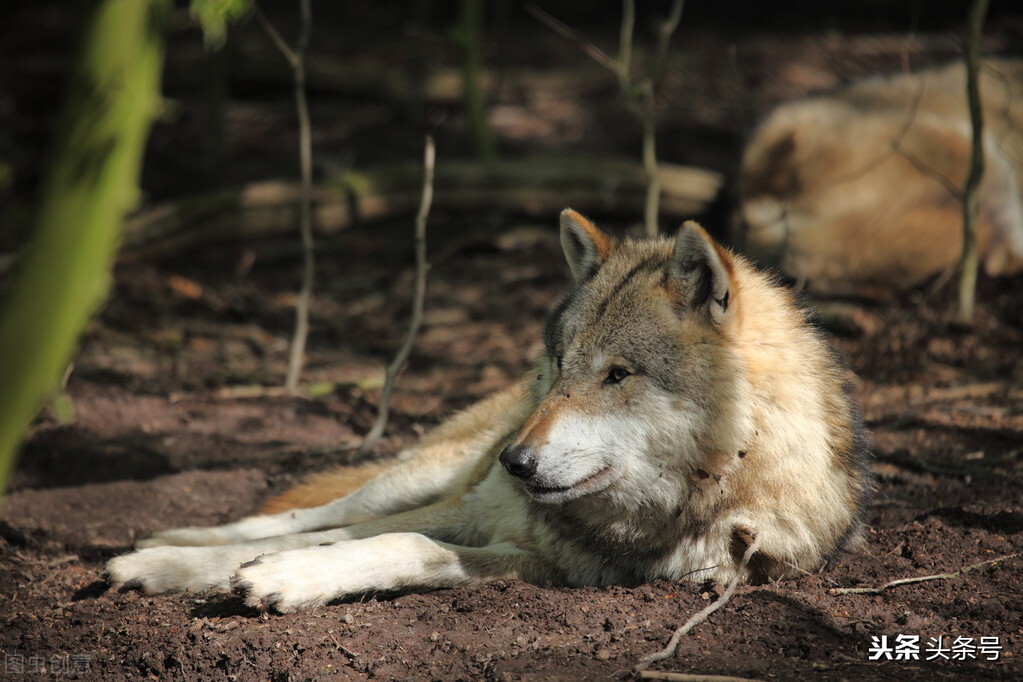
[(971, 201), (419, 296), (639, 96), (672, 646), (981, 389), (665, 29), (639, 100), (589, 48), (296, 58), (277, 38), (653, 179), (907, 44), (625, 45), (645, 94), (894, 146), (689, 677), (920, 579), (305, 143), (472, 65), (930, 171)]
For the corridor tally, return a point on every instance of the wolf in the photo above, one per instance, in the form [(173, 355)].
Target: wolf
[(859, 191), (681, 410)]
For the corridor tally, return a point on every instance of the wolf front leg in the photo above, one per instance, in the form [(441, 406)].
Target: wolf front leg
[(396, 489), (157, 570), (161, 569), (440, 467), (303, 578)]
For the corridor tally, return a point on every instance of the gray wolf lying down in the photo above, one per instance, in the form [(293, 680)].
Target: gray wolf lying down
[(682, 407)]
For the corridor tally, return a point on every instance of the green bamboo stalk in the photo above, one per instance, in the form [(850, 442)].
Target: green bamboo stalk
[(91, 185)]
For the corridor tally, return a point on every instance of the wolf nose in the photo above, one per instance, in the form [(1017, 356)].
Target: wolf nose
[(519, 461)]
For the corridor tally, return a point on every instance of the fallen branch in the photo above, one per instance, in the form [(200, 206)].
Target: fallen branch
[(685, 629), (540, 185), (689, 677), (985, 389), (594, 52), (907, 461), (924, 578), (418, 297)]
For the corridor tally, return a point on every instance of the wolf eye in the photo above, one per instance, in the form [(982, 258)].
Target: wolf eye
[(616, 375), (558, 360)]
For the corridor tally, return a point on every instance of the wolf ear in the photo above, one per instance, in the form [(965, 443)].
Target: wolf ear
[(702, 273), (584, 244)]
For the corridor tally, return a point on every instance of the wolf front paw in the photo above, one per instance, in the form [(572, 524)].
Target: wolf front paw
[(291, 580), (312, 576), (172, 569)]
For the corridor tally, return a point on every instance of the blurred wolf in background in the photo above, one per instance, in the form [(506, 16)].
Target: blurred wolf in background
[(858, 191), (681, 410)]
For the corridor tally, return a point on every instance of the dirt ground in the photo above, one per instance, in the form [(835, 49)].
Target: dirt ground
[(163, 425)]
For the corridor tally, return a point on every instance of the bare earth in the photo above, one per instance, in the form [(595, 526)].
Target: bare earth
[(167, 431)]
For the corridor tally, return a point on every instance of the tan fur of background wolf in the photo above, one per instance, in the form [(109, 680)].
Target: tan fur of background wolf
[(854, 191)]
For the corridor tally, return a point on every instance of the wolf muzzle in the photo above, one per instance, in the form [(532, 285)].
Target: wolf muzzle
[(519, 461)]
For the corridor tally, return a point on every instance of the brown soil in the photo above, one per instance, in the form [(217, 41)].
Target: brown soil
[(166, 433)]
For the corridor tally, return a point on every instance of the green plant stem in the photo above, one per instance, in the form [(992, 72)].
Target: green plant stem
[(296, 359), (91, 185), (472, 64), (971, 200)]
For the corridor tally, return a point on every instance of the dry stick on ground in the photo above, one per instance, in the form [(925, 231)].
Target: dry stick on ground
[(296, 58), (971, 200), (384, 408), (639, 96), (685, 629), (923, 578), (689, 677)]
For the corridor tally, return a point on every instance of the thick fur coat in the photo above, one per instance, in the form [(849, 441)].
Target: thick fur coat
[(858, 191), (682, 407)]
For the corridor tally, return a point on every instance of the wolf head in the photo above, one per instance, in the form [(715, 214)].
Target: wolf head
[(637, 381)]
